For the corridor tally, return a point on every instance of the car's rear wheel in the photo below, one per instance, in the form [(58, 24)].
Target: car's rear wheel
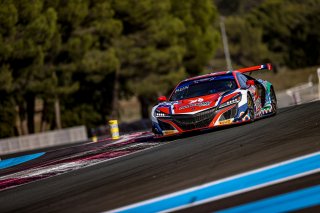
[(273, 101), (250, 108)]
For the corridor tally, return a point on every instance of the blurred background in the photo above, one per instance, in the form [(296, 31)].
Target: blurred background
[(84, 62)]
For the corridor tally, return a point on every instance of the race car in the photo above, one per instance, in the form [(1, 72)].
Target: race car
[(214, 100)]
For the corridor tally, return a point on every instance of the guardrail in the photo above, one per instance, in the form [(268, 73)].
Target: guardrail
[(299, 94), (41, 140), (303, 93)]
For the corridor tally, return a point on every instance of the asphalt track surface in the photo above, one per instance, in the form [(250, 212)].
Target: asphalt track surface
[(178, 164)]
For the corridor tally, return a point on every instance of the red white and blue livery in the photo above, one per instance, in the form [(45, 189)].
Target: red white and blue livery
[(212, 100)]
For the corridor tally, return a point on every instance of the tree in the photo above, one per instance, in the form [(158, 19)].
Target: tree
[(245, 42), (7, 106), (8, 18), (162, 40), (26, 34), (88, 58), (200, 38), (236, 8), (150, 51), (290, 29), (79, 57)]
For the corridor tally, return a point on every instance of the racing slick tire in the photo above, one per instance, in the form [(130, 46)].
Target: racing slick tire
[(273, 98), (250, 108)]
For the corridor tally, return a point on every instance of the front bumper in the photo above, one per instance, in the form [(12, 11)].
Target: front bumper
[(178, 124)]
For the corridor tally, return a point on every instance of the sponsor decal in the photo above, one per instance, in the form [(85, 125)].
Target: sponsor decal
[(225, 122), (203, 79), (266, 110), (197, 100), (169, 132), (181, 88), (198, 104), (258, 105)]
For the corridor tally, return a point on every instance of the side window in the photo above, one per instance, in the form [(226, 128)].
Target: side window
[(242, 80)]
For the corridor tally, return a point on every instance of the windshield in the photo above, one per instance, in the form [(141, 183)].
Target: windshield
[(204, 86)]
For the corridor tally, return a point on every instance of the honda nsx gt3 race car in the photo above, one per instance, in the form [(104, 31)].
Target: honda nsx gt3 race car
[(212, 100)]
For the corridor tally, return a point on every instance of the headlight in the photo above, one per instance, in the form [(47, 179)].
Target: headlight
[(234, 100), (160, 114)]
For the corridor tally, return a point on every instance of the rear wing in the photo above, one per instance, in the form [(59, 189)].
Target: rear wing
[(256, 68)]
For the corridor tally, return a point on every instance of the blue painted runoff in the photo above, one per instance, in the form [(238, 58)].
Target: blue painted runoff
[(19, 160), (292, 201), (211, 190)]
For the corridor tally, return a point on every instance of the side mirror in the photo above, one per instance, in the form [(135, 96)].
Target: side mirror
[(162, 98), (250, 83)]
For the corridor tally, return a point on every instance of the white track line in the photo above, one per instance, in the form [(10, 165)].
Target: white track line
[(227, 179)]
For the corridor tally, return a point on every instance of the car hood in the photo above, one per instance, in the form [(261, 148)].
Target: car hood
[(189, 106)]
